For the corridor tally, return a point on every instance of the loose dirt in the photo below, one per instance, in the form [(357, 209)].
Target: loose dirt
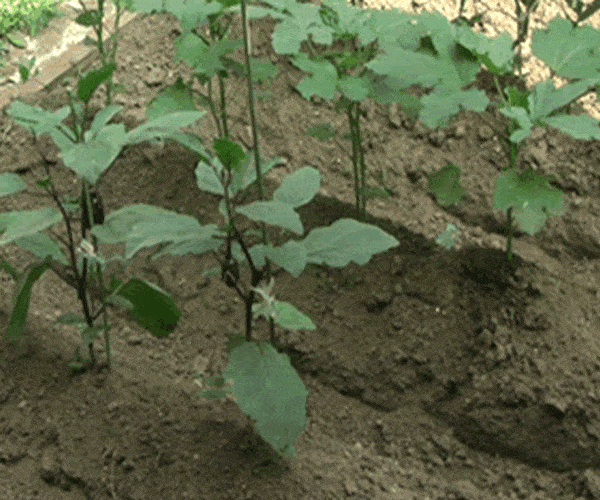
[(431, 374)]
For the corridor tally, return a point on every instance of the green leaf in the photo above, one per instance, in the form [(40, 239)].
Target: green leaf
[(321, 80), (572, 52), (153, 308), (163, 126), (298, 188), (274, 213), (229, 153), (321, 131), (303, 19), (344, 241), (41, 245), (285, 315), (545, 99), (140, 226), (356, 88), (22, 296), (522, 119), (91, 158), (88, 83), (291, 256), (41, 122), (207, 177), (101, 118), (530, 196), (579, 127), (268, 389), (445, 185), (26, 223), (205, 59), (446, 239), (10, 184)]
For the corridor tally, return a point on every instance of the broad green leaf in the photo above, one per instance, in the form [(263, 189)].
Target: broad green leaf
[(298, 188), (545, 99), (90, 81), (442, 104), (207, 178), (268, 389), (582, 127), (291, 256), (37, 119), (522, 119), (101, 118), (274, 213), (177, 97), (10, 184), (304, 19), (204, 59), (195, 245), (322, 131), (285, 315), (355, 88), (41, 245), (163, 127), (321, 79), (572, 52), (445, 185), (153, 308), (91, 158), (140, 226), (530, 196), (344, 241), (26, 223)]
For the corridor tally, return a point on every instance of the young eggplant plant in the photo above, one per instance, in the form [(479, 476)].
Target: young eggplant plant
[(89, 154), (357, 68), (527, 197), (261, 379)]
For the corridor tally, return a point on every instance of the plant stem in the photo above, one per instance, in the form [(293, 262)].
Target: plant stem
[(353, 112), (511, 230), (253, 121)]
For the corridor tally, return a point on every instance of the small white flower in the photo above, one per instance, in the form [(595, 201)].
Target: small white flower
[(87, 248), (268, 299)]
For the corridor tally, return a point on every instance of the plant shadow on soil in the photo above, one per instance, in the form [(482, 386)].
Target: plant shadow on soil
[(431, 374)]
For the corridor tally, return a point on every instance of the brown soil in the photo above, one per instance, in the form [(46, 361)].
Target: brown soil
[(430, 374)]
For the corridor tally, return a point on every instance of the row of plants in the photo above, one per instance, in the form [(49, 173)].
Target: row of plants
[(27, 15), (384, 53)]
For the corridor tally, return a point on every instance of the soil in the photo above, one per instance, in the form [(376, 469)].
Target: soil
[(431, 374)]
